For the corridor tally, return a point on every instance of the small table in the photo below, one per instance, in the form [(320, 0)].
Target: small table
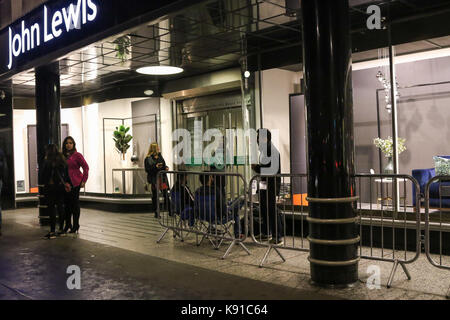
[(123, 170), (389, 181)]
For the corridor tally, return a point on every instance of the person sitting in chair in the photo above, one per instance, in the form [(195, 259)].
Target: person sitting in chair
[(182, 199), (211, 206)]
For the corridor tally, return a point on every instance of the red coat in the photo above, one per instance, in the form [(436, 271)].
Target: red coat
[(75, 162)]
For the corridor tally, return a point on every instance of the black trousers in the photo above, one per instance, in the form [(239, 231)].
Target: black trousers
[(155, 194), (269, 211), (54, 195), (72, 204)]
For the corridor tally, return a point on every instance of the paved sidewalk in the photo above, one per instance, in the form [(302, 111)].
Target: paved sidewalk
[(136, 234), (33, 268)]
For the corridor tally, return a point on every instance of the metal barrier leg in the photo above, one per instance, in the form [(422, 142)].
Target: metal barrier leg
[(229, 250), (244, 247), (163, 235), (231, 247), (201, 241), (279, 253), (215, 243), (391, 276), (267, 255), (408, 275), (175, 234)]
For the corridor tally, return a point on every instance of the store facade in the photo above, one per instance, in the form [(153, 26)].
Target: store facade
[(243, 69)]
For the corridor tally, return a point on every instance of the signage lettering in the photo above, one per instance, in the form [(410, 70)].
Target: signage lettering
[(72, 17)]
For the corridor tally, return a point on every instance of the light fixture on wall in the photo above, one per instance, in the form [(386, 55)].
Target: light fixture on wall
[(160, 70), (2, 95), (149, 92)]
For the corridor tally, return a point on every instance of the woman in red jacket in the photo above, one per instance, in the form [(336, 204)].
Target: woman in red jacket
[(75, 162)]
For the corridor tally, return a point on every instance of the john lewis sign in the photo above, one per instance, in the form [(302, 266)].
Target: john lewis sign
[(52, 26), (60, 27)]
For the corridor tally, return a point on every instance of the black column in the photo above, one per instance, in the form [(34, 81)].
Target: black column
[(327, 70), (7, 144), (48, 116)]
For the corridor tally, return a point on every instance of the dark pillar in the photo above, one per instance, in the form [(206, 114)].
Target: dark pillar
[(48, 116), (7, 144), (327, 69)]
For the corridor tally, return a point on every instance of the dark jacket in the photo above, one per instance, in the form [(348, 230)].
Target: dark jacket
[(152, 170), (269, 168), (3, 165), (52, 174), (202, 205), (184, 195)]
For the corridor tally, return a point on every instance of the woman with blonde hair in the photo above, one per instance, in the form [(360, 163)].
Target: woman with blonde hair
[(154, 163)]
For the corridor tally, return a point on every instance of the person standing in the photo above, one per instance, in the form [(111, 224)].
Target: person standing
[(75, 162), (3, 171), (54, 176), (154, 163), (270, 184)]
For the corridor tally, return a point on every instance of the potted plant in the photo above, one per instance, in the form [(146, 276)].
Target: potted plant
[(122, 140), (122, 48), (387, 147)]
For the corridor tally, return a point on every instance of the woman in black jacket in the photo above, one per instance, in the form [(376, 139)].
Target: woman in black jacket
[(54, 176), (154, 163)]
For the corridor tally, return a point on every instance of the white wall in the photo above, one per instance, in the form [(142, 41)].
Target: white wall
[(276, 86), (22, 119), (93, 137), (73, 118), (86, 127), (93, 148), (25, 118)]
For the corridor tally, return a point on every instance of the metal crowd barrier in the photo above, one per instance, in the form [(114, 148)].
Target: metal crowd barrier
[(389, 226), (440, 223), (206, 204), (278, 212)]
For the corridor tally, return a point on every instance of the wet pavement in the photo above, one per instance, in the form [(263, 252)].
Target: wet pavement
[(120, 259), (33, 268)]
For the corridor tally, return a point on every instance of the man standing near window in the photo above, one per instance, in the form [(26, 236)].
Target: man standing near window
[(3, 170), (269, 168)]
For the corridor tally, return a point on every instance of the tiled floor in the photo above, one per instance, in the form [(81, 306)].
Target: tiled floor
[(139, 233)]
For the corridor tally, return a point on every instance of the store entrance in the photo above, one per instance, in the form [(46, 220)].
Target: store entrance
[(220, 112), (221, 120)]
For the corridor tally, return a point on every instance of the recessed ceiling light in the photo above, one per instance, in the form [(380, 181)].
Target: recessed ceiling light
[(148, 92), (159, 70)]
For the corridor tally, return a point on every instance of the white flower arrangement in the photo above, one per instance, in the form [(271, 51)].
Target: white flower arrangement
[(387, 146)]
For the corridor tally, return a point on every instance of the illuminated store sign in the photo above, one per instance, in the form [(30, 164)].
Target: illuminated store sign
[(52, 25)]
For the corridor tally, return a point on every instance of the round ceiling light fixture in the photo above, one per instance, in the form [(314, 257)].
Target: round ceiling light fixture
[(160, 70), (149, 92)]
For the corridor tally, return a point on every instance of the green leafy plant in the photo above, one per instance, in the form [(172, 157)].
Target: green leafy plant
[(122, 48), (122, 140)]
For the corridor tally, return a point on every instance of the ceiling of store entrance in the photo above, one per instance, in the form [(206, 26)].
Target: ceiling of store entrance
[(217, 35)]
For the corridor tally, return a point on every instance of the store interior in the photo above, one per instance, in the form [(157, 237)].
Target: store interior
[(216, 43)]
